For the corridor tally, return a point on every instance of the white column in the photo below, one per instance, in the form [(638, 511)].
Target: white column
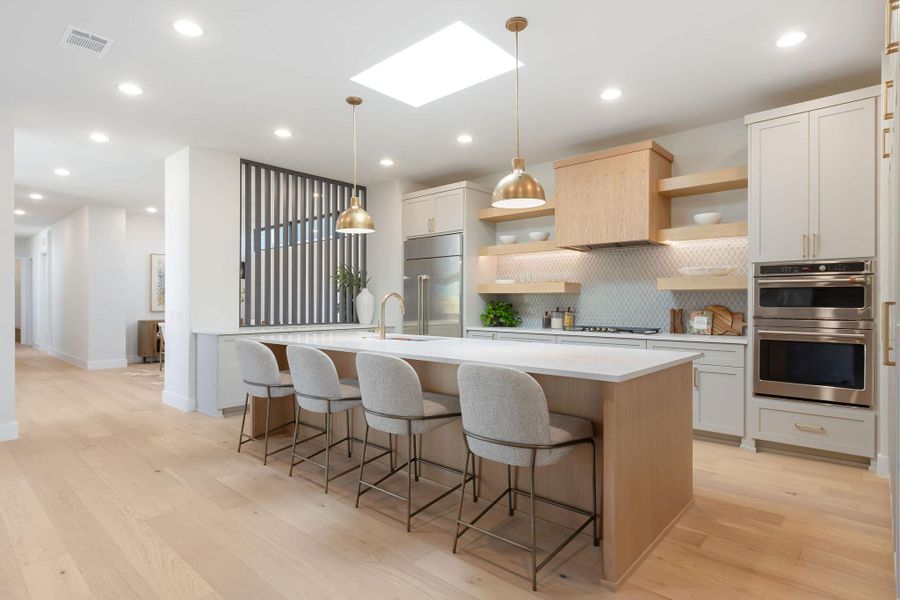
[(202, 260), (9, 427)]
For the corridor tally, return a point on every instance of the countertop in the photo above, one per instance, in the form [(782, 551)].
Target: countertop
[(668, 337), (283, 329), (602, 363)]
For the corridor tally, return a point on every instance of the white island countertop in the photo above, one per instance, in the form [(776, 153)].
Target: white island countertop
[(582, 362)]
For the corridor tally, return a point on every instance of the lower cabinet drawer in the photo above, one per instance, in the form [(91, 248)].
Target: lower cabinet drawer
[(847, 434), (591, 341), (523, 337), (721, 354), (480, 335)]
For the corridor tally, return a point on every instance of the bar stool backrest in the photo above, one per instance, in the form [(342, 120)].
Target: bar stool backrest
[(390, 386), (258, 366), (506, 405), (313, 373)]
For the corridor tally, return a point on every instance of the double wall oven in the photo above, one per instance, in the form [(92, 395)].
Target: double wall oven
[(813, 331)]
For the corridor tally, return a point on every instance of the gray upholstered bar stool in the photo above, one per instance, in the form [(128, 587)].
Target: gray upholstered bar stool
[(506, 420), (318, 389), (262, 379), (393, 402)]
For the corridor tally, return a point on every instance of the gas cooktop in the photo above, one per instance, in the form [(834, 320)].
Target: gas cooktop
[(616, 329)]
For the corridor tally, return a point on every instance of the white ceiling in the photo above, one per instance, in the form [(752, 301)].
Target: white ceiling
[(283, 63)]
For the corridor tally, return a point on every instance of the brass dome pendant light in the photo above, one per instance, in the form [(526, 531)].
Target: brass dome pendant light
[(355, 219), (518, 189)]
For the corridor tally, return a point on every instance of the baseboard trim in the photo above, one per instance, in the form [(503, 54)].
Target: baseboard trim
[(115, 363), (9, 431), (72, 360), (182, 403)]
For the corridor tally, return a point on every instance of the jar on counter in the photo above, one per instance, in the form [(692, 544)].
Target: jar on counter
[(545, 322), (569, 319), (556, 319)]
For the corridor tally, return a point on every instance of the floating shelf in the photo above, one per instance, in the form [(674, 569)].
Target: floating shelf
[(732, 178), (501, 215), (703, 232), (500, 249), (536, 287), (724, 282)]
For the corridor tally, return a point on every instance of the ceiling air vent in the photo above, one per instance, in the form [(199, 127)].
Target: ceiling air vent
[(85, 42)]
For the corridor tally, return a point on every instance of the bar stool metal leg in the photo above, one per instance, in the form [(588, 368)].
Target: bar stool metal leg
[(533, 542), (243, 421), (328, 422), (362, 463), (349, 435), (266, 448), (410, 458), (509, 495)]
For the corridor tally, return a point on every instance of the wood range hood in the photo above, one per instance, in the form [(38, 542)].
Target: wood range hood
[(611, 199)]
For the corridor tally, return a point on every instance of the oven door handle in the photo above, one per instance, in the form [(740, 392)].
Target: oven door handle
[(859, 279), (854, 336)]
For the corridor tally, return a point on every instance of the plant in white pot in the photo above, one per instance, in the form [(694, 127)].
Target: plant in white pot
[(351, 284)]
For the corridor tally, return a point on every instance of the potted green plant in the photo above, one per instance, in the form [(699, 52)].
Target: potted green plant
[(351, 284), (500, 314)]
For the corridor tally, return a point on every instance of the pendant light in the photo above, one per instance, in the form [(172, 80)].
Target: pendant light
[(355, 219), (518, 189)]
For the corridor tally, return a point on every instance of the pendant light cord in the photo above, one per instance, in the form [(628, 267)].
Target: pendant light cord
[(517, 94), (354, 150)]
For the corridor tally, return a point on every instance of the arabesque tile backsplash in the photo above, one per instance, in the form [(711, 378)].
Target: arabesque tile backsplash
[(618, 286)]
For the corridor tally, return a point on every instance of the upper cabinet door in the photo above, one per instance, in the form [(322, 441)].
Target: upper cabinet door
[(449, 211), (779, 189), (418, 216), (842, 180)]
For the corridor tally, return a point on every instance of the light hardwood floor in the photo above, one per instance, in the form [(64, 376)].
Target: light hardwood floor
[(110, 494)]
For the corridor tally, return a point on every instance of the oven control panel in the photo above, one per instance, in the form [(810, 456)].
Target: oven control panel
[(814, 268)]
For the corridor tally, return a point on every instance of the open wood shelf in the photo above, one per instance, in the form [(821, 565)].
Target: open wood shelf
[(500, 249), (723, 282), (732, 178), (703, 232), (501, 215), (536, 287)]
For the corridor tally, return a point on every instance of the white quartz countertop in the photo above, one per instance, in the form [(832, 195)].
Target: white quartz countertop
[(283, 329), (668, 337), (602, 363)]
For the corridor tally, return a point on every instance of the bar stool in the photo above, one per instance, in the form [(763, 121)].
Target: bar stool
[(318, 389), (262, 379), (393, 402), (506, 420)]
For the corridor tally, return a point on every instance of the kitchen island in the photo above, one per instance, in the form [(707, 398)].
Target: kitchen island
[(638, 400)]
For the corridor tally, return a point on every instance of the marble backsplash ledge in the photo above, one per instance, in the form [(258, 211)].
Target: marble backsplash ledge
[(618, 286)]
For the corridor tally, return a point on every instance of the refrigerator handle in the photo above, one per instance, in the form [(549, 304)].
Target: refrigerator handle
[(424, 305), (419, 303)]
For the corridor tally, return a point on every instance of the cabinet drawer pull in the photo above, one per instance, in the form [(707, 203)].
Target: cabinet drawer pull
[(886, 334), (885, 150), (890, 46), (810, 428), (803, 244), (885, 100), (696, 381), (815, 245)]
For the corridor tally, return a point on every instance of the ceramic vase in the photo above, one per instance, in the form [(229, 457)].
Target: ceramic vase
[(365, 306)]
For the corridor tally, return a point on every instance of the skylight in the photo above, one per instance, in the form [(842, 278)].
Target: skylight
[(446, 62)]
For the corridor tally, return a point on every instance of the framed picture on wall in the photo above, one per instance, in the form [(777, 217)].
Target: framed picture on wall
[(157, 282)]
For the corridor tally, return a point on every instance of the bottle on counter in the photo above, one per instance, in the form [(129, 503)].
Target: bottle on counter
[(569, 319), (556, 319), (545, 322)]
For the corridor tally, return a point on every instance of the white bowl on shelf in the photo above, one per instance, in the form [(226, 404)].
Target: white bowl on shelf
[(705, 271), (508, 239), (504, 281), (710, 218), (539, 236)]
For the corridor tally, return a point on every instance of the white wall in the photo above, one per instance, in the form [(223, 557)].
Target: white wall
[(202, 259), (144, 235), (106, 302), (68, 291), (18, 293), (9, 428)]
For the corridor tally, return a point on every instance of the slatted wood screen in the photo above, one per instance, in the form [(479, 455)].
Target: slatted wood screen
[(290, 250)]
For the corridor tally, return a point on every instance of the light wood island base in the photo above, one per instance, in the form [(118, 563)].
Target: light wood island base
[(644, 442)]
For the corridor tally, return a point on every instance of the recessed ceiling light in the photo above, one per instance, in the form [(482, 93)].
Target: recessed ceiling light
[(386, 162), (611, 94), (100, 138), (283, 133), (464, 138), (188, 28), (450, 60), (36, 196), (151, 209), (19, 212), (791, 38), (130, 89), (62, 172)]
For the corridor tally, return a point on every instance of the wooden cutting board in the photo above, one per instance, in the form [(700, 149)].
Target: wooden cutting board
[(726, 322)]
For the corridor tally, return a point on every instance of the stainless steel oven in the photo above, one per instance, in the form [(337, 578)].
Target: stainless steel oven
[(809, 359), (822, 290)]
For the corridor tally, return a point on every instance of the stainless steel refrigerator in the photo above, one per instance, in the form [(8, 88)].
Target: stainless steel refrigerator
[(432, 285)]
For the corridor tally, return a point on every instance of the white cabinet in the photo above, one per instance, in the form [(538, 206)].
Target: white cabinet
[(590, 341), (480, 335), (524, 337), (812, 180), (435, 212), (718, 394)]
